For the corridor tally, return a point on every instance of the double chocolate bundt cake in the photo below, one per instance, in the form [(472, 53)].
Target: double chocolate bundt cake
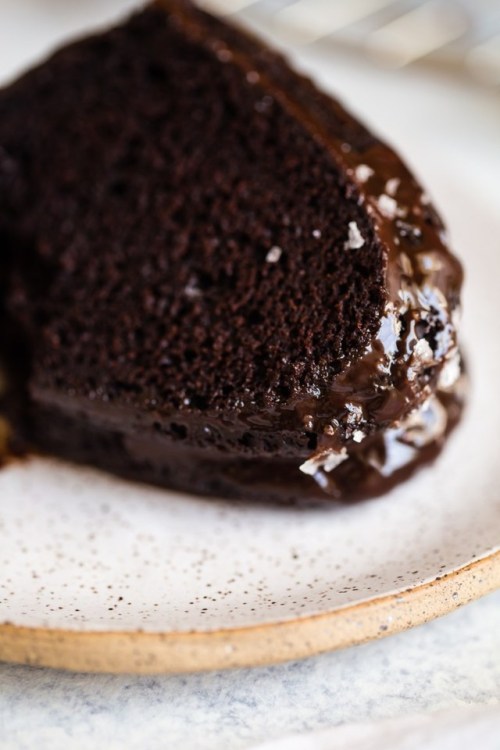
[(214, 278)]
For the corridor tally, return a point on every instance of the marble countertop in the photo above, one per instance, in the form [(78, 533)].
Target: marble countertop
[(453, 662)]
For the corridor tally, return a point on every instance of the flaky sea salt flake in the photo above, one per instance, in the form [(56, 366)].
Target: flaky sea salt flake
[(358, 436), (355, 239), (388, 207), (191, 290), (274, 254), (391, 186), (363, 172)]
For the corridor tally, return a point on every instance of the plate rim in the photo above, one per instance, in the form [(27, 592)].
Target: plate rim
[(274, 642)]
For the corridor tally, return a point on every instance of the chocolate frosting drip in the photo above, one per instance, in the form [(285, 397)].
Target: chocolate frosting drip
[(415, 350)]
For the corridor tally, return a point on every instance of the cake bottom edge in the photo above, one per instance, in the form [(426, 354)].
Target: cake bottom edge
[(371, 469)]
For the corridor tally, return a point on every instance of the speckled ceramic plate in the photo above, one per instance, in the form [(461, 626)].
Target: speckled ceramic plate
[(98, 574)]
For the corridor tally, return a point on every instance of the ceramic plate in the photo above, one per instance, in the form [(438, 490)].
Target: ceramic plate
[(99, 574)]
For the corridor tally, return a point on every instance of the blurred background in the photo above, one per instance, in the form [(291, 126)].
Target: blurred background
[(460, 35)]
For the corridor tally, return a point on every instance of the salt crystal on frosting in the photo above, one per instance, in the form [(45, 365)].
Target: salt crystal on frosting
[(391, 186), (274, 254), (388, 207), (363, 172), (191, 289), (355, 239)]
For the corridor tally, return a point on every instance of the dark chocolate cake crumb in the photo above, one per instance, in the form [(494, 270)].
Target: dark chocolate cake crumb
[(192, 260)]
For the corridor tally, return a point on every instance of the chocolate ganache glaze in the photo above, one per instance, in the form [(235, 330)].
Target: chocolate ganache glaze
[(405, 391), (386, 410)]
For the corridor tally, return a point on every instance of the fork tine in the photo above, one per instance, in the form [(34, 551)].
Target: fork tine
[(307, 20), (484, 60), (225, 7), (425, 29)]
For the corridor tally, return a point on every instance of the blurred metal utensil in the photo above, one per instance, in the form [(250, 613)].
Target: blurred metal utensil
[(484, 60), (308, 20), (464, 33), (413, 35)]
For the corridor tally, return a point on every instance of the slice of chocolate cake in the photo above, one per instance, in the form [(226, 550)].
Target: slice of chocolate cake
[(213, 277)]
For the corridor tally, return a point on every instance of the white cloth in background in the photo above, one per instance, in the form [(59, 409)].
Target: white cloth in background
[(465, 729)]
